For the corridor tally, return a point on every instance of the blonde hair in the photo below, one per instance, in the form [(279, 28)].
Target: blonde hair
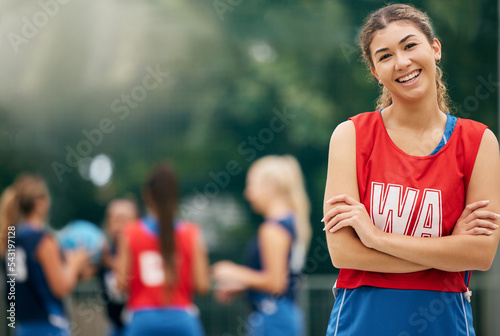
[(285, 172), (408, 14), (17, 201)]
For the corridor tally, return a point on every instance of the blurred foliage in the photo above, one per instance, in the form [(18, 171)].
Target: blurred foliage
[(231, 66)]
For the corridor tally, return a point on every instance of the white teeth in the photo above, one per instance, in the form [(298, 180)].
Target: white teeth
[(410, 76)]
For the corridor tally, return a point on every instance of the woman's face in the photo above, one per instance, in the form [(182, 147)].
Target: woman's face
[(258, 191), (42, 206), (404, 61), (118, 215)]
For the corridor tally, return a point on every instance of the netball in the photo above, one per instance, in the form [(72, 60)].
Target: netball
[(83, 234)]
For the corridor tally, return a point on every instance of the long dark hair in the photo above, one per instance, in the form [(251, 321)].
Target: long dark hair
[(161, 195)]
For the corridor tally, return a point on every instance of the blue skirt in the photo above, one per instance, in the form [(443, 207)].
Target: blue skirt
[(166, 321), (275, 317), (398, 312), (40, 328)]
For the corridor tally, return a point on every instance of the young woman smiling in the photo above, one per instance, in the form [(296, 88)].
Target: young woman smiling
[(412, 193)]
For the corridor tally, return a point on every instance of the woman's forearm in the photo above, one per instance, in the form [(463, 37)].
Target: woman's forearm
[(347, 251), (450, 253), (260, 279)]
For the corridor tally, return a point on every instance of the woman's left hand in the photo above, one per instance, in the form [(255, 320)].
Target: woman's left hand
[(226, 292), (225, 271), (228, 285), (353, 213), (476, 221)]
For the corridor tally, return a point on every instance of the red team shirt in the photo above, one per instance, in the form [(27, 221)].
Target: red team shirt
[(421, 196), (147, 288)]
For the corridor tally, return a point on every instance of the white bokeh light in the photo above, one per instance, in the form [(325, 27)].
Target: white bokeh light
[(101, 170), (262, 52)]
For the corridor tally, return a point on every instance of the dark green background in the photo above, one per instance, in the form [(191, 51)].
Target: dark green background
[(64, 80)]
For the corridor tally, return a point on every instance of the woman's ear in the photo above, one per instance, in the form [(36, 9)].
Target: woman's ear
[(436, 46), (374, 73)]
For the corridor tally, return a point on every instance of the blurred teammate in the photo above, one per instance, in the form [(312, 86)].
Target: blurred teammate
[(408, 214), (44, 277), (118, 213), (275, 189), (162, 262)]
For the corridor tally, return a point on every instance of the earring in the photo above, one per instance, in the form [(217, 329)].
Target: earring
[(380, 84)]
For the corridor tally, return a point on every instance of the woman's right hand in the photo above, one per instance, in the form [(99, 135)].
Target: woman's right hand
[(225, 292), (78, 259), (475, 221)]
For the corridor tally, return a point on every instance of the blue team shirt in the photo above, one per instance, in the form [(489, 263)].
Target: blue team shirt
[(33, 298), (253, 260)]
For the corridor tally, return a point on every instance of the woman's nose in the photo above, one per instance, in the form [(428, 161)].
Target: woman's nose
[(402, 62)]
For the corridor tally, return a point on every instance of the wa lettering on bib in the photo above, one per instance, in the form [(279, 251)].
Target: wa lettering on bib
[(393, 207)]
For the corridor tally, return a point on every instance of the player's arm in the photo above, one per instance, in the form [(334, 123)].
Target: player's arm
[(122, 263), (450, 253), (108, 260), (274, 245), (61, 277), (201, 272), (346, 250)]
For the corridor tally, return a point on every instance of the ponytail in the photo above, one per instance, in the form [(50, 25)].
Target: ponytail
[(299, 201), (9, 215), (161, 189)]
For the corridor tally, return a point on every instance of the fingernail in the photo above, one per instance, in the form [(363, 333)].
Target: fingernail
[(497, 215), (331, 230), (489, 232), (495, 226), (323, 219), (324, 229), (486, 201)]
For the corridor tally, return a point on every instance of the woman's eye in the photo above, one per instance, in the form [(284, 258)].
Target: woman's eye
[(383, 57), (410, 45)]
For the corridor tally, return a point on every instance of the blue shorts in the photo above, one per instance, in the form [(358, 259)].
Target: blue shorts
[(276, 317), (397, 312), (114, 330), (166, 321), (42, 328)]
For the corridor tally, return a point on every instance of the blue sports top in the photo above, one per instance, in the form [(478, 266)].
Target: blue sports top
[(34, 301), (451, 121), (253, 260)]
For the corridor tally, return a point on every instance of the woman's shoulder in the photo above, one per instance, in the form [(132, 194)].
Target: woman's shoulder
[(186, 224), (471, 123), (365, 115), (30, 234), (360, 127), (471, 130), (132, 227), (349, 126), (186, 227), (272, 227)]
